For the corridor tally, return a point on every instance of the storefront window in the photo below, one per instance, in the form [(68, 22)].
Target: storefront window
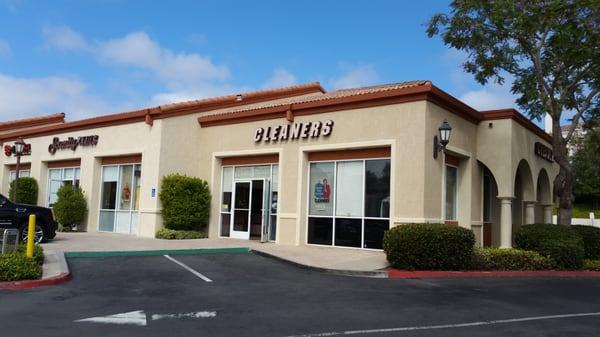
[(57, 178), (451, 189), (362, 197), (274, 200), (22, 174), (120, 198)]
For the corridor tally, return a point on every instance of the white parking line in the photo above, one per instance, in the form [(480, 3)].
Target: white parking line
[(186, 267), (447, 326)]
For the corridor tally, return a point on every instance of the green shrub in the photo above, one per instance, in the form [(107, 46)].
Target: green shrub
[(185, 202), (27, 193), (591, 240), (70, 207), (170, 234), (38, 252), (509, 259), (17, 266), (591, 265), (561, 243), (429, 247)]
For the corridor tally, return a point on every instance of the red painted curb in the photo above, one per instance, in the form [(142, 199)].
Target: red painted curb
[(394, 273), (29, 284)]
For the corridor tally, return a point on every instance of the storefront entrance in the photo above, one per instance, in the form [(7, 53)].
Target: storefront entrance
[(249, 202), (250, 210)]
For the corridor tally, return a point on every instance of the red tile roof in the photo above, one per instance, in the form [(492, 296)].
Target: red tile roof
[(32, 122)]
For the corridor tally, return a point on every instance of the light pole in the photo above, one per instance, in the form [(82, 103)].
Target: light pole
[(444, 134), (18, 151)]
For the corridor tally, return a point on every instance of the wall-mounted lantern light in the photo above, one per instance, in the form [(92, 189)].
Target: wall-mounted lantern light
[(444, 137)]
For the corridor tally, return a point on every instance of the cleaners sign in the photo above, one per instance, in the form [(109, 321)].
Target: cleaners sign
[(72, 143), (294, 131)]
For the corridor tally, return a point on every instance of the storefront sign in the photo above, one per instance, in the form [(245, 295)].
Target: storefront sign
[(544, 152), (294, 131), (9, 150), (72, 143)]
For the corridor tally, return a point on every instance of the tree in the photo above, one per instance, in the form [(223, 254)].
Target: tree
[(586, 163), (70, 207), (27, 192), (551, 50)]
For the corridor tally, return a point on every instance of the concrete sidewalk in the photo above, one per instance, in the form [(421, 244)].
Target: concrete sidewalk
[(325, 258)]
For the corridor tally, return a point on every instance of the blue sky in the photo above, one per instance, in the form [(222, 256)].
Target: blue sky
[(89, 58)]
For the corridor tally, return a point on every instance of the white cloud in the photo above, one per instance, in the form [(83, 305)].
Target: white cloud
[(492, 96), (139, 50), (26, 97), (63, 38), (358, 76), (5, 49), (280, 78)]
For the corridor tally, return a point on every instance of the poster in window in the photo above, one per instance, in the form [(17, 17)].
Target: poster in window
[(321, 188)]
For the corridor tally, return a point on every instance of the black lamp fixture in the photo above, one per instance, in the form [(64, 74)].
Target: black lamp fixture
[(19, 147), (444, 134)]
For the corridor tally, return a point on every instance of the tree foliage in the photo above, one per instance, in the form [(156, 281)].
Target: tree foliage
[(27, 192), (586, 162), (70, 207), (550, 48)]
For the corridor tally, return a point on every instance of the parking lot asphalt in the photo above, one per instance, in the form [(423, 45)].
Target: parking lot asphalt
[(250, 295)]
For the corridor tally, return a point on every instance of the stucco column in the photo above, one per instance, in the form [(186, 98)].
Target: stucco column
[(547, 213), (529, 212), (505, 222)]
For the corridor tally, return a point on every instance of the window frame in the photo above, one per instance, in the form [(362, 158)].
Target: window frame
[(445, 199), (11, 172), (334, 202), (131, 211), (62, 179)]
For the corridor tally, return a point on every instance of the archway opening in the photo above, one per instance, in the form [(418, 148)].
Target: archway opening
[(543, 196), (491, 210)]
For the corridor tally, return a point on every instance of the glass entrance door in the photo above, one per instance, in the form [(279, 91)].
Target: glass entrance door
[(250, 209)]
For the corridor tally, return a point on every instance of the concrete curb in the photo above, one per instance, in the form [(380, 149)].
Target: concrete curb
[(55, 270), (405, 274), (233, 250), (354, 273)]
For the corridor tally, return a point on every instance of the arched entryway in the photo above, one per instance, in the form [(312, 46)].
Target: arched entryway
[(543, 207), (491, 209), (523, 211)]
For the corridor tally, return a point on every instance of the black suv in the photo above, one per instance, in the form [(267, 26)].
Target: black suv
[(17, 216)]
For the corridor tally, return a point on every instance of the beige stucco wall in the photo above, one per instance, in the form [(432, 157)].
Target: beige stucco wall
[(399, 126), (119, 140)]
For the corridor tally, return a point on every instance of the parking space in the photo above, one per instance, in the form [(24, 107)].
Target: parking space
[(251, 295)]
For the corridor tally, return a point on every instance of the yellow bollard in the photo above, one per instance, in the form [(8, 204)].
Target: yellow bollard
[(30, 235)]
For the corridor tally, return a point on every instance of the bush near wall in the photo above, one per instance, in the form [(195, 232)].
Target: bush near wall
[(429, 247), (591, 240), (70, 207), (17, 266), (27, 193), (185, 202), (561, 243), (509, 259), (170, 234), (591, 265)]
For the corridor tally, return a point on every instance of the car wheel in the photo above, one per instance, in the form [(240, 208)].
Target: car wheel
[(40, 234)]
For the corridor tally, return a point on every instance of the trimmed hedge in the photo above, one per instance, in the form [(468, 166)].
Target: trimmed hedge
[(185, 201), (509, 259), (591, 240), (27, 193), (70, 208), (591, 265), (17, 266), (429, 247), (561, 243), (170, 234)]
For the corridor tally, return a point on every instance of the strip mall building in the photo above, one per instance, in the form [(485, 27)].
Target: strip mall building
[(299, 165)]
